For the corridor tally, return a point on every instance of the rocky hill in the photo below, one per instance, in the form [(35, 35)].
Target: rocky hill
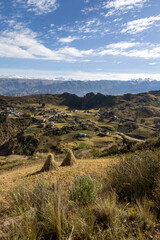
[(89, 101)]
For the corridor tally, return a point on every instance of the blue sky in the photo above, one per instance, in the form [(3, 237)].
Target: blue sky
[(80, 39)]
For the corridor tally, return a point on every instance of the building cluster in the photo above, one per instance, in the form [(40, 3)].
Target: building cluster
[(11, 112)]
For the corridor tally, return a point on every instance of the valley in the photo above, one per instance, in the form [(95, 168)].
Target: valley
[(106, 193), (95, 124)]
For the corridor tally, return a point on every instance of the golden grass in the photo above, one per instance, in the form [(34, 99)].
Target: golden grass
[(59, 107), (102, 139), (83, 116), (64, 175), (60, 125), (12, 158), (34, 211)]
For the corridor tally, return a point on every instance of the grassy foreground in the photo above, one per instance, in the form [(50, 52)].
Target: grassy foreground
[(92, 200)]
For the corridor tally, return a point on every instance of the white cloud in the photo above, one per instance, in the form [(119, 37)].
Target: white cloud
[(153, 63), (23, 43), (88, 28), (77, 75), (116, 48), (39, 6), (68, 39), (74, 52), (152, 53), (10, 51), (122, 5), (91, 22), (140, 25), (93, 26), (80, 75), (122, 45), (129, 49), (117, 20)]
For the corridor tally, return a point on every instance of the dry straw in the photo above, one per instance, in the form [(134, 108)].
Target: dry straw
[(49, 164), (69, 160)]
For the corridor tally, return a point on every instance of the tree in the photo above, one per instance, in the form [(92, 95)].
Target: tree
[(43, 105)]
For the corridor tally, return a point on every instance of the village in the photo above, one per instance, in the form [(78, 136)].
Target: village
[(77, 129), (46, 127)]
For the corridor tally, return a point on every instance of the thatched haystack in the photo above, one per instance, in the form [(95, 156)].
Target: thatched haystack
[(69, 160), (49, 164)]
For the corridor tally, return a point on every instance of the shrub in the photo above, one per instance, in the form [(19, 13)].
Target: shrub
[(42, 209), (147, 218), (105, 211), (95, 153), (113, 149), (157, 200), (85, 190), (82, 145), (135, 176), (52, 215), (19, 199), (3, 118)]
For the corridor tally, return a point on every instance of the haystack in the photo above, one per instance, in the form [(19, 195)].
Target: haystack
[(49, 164), (69, 160)]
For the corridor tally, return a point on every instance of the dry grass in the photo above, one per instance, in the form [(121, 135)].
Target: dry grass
[(135, 176), (59, 107), (49, 164), (83, 116), (64, 175), (69, 160), (69, 203)]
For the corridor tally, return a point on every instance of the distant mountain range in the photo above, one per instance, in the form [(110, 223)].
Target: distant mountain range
[(21, 87)]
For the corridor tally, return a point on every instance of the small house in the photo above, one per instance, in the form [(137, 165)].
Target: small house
[(81, 135)]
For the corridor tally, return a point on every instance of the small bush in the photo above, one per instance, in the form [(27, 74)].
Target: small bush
[(95, 153), (85, 190), (3, 118), (147, 218), (135, 176), (30, 130), (157, 200), (105, 211), (52, 215), (41, 211), (19, 199), (82, 145)]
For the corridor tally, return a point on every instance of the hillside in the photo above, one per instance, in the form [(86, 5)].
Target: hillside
[(110, 198), (89, 101), (21, 87), (95, 124), (110, 190)]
